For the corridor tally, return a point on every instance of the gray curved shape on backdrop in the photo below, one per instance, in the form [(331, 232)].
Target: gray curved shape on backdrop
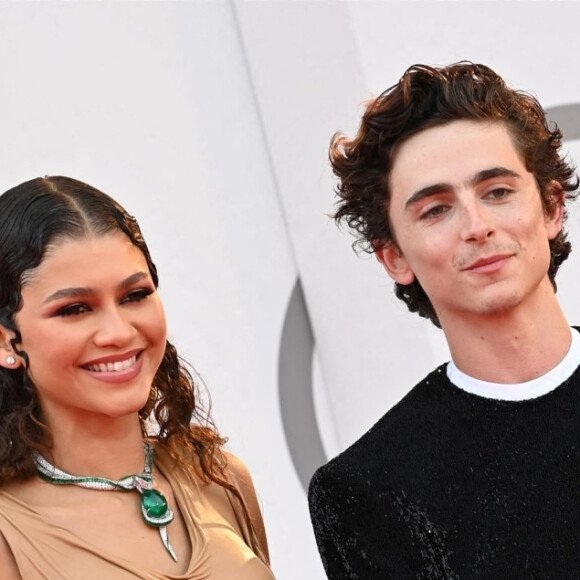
[(297, 350), (296, 389), (567, 117)]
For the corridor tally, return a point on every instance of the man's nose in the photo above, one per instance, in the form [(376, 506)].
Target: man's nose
[(477, 223)]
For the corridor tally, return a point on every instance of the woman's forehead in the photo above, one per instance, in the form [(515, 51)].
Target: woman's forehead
[(83, 257)]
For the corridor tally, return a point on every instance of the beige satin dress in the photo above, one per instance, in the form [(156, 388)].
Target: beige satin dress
[(45, 551)]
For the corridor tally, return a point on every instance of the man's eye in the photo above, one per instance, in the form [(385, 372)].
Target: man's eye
[(434, 212), (73, 309), (137, 295), (499, 193)]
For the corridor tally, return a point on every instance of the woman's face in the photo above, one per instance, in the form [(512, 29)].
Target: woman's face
[(93, 327)]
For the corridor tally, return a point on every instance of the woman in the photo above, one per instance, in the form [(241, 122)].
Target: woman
[(85, 371)]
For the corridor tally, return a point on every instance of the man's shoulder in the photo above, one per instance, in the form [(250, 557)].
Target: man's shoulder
[(401, 431)]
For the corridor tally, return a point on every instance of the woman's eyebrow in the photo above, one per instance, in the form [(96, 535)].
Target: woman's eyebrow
[(81, 292)]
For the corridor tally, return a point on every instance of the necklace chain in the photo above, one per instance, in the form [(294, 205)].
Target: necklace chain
[(154, 506)]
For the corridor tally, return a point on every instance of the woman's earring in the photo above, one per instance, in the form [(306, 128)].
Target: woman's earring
[(10, 360)]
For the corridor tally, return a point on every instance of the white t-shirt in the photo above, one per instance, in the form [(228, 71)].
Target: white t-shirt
[(520, 391)]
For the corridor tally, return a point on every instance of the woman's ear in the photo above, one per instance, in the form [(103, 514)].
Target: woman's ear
[(8, 358), (390, 256)]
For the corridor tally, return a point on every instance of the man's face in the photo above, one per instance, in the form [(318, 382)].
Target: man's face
[(469, 222)]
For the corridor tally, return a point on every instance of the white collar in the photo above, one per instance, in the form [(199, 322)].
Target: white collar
[(520, 391)]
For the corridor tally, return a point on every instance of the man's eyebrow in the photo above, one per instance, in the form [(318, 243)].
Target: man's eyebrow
[(90, 292), (479, 177), (428, 191), (486, 174)]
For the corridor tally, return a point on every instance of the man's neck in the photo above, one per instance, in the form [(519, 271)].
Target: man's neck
[(512, 347)]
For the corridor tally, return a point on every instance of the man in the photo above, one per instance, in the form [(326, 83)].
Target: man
[(457, 183)]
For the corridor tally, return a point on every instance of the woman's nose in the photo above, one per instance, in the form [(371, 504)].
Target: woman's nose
[(115, 329)]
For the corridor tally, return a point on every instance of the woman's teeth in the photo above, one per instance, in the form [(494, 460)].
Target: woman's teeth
[(113, 367)]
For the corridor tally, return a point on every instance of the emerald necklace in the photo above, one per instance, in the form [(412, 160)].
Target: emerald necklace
[(154, 506)]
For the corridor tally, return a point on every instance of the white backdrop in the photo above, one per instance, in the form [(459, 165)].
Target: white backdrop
[(210, 120)]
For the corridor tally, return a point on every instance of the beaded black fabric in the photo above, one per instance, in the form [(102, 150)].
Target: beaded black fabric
[(450, 485)]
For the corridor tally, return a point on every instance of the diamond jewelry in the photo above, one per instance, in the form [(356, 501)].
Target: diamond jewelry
[(154, 507), (10, 360)]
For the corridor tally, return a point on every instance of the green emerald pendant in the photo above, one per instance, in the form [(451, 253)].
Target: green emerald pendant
[(154, 503), (154, 507)]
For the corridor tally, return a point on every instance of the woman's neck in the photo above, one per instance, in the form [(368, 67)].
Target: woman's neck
[(99, 446)]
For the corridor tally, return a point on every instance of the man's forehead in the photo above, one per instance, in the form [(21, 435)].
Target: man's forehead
[(455, 153)]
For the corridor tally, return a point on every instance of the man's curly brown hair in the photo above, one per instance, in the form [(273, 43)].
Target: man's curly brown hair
[(427, 97)]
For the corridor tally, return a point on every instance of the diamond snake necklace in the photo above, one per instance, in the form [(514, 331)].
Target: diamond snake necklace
[(154, 506)]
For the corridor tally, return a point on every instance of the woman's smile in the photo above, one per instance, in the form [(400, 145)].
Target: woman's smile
[(116, 369)]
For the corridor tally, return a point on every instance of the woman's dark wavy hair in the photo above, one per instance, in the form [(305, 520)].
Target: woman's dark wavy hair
[(34, 216), (428, 97)]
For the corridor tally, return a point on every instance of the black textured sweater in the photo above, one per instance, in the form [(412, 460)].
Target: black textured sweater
[(452, 485)]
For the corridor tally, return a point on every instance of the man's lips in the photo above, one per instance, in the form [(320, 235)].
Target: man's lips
[(488, 263)]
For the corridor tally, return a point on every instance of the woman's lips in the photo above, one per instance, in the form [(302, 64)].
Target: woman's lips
[(120, 365), (115, 371)]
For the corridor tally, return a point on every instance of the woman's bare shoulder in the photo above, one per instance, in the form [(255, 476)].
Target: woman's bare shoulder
[(240, 473)]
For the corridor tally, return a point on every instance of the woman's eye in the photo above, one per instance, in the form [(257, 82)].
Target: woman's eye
[(72, 309), (137, 295)]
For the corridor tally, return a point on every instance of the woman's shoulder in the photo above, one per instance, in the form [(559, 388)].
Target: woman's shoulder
[(239, 473)]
